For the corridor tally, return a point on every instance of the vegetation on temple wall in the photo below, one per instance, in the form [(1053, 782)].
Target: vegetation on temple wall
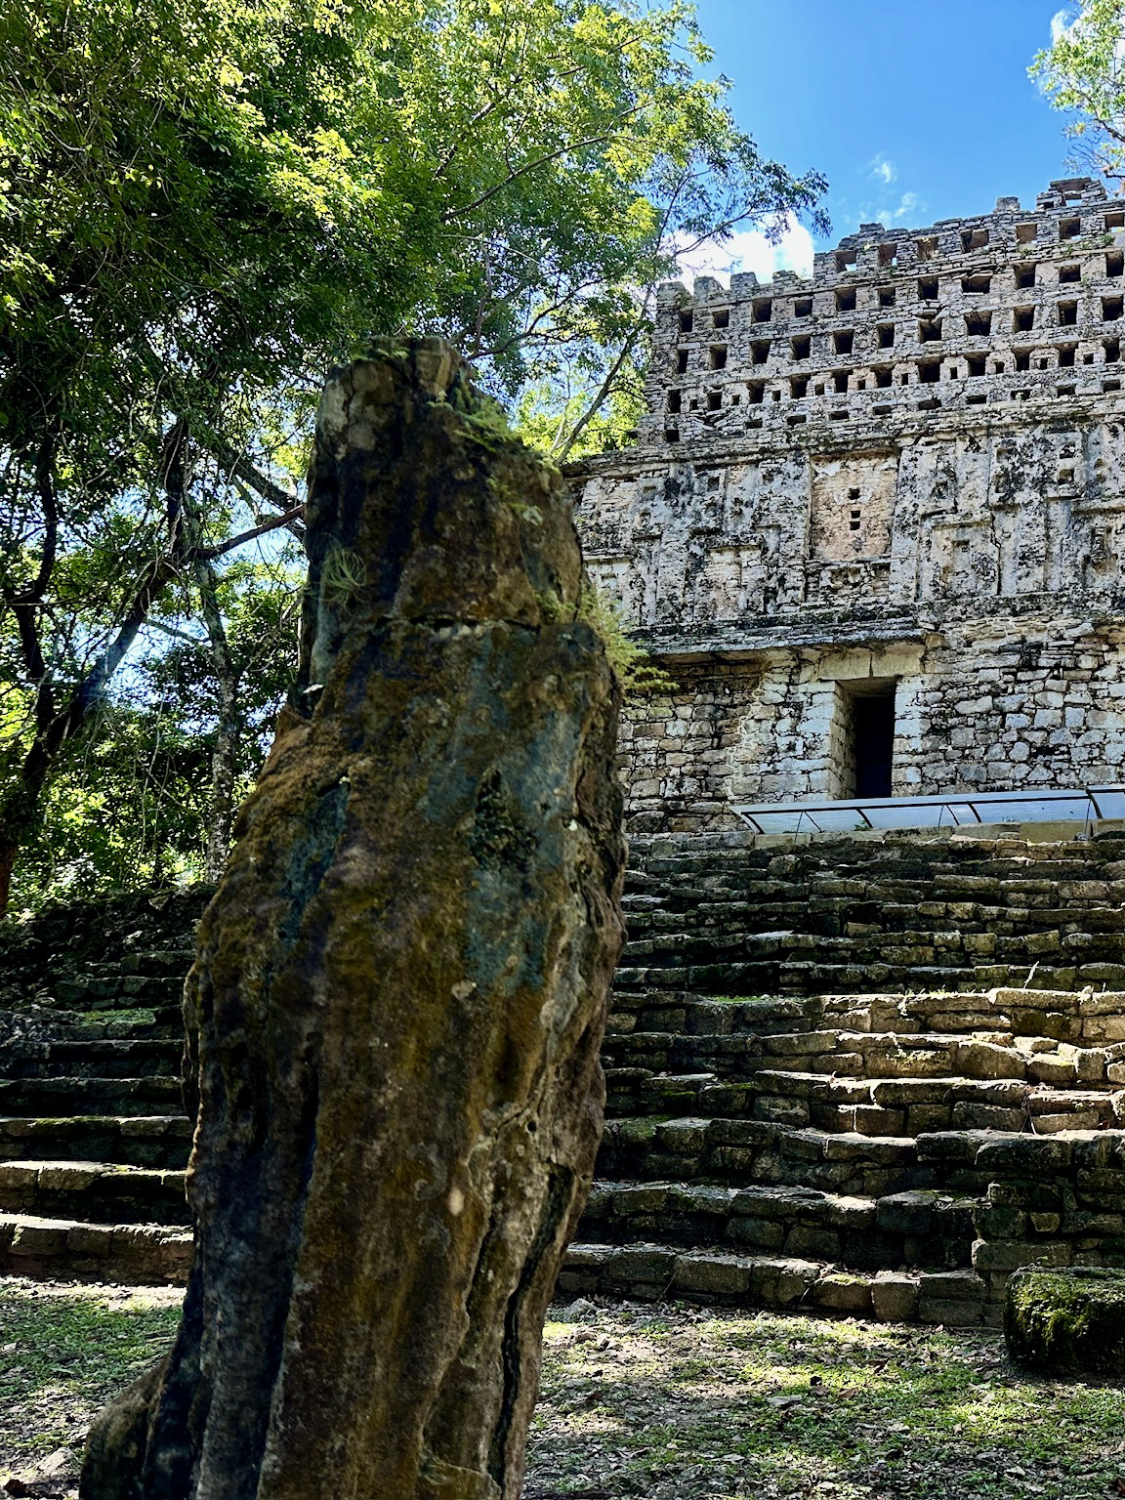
[(205, 204), (639, 673)]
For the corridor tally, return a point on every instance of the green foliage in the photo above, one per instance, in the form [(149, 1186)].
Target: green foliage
[(186, 197), (639, 675), (487, 424), (204, 204), (1083, 72), (343, 576), (572, 143), (130, 805), (216, 188), (560, 414)]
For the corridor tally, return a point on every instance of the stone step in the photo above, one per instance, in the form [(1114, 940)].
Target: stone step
[(167, 962), (949, 846), (929, 917), (673, 1010), (94, 1058), (778, 977), (913, 1106), (161, 1141), (654, 1272), (926, 949), (910, 1229), (57, 1249), (114, 992), (1058, 1014), (992, 885), (95, 1192), (131, 1023), (888, 897), (58, 1097), (929, 1103), (742, 1152), (965, 1162), (755, 904), (865, 1054)]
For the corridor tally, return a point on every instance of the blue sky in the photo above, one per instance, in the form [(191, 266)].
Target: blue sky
[(915, 110)]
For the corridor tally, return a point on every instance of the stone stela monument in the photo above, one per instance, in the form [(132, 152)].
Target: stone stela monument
[(872, 521), (399, 989)]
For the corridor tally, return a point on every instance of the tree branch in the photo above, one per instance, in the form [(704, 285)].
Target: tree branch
[(179, 635), (602, 392), (207, 554), (533, 166), (25, 606), (237, 463)]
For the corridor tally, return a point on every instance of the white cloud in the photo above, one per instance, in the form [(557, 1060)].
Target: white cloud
[(750, 250), (909, 211), (1061, 23), (910, 206), (882, 170)]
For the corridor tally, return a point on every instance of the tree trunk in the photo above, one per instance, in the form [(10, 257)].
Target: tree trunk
[(55, 729), (399, 989), (224, 757), (9, 852)]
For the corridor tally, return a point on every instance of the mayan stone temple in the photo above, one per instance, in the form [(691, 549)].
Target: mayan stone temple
[(872, 522)]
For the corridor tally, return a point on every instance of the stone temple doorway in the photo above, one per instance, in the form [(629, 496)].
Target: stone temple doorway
[(871, 737)]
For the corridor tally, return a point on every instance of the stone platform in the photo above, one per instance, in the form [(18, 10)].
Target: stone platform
[(869, 1075)]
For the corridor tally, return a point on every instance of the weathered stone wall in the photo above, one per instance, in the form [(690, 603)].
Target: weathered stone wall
[(973, 509), (1013, 305), (905, 472), (679, 750), (995, 704)]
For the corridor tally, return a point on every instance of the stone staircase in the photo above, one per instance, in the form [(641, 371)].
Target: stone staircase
[(93, 1138), (869, 1075), (866, 1075)]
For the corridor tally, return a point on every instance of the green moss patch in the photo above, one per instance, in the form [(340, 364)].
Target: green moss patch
[(1071, 1321)]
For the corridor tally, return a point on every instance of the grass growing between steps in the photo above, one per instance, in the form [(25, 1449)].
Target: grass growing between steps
[(668, 1403), (65, 1349), (689, 1404)]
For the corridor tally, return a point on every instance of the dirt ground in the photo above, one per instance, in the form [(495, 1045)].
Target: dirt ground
[(665, 1402)]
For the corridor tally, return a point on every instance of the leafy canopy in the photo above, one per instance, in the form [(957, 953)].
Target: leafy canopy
[(1084, 72), (206, 203)]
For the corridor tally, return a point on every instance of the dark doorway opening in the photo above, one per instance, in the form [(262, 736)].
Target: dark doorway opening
[(873, 738)]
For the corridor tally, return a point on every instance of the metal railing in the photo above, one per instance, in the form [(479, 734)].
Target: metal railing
[(955, 810)]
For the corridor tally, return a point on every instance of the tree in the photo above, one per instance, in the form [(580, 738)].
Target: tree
[(204, 204), (135, 800), (1084, 72), (175, 244)]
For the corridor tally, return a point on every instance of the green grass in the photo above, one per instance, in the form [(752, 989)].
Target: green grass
[(64, 1351), (720, 1405), (668, 1403)]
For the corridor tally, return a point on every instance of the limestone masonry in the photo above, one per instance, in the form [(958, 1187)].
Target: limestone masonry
[(872, 521)]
